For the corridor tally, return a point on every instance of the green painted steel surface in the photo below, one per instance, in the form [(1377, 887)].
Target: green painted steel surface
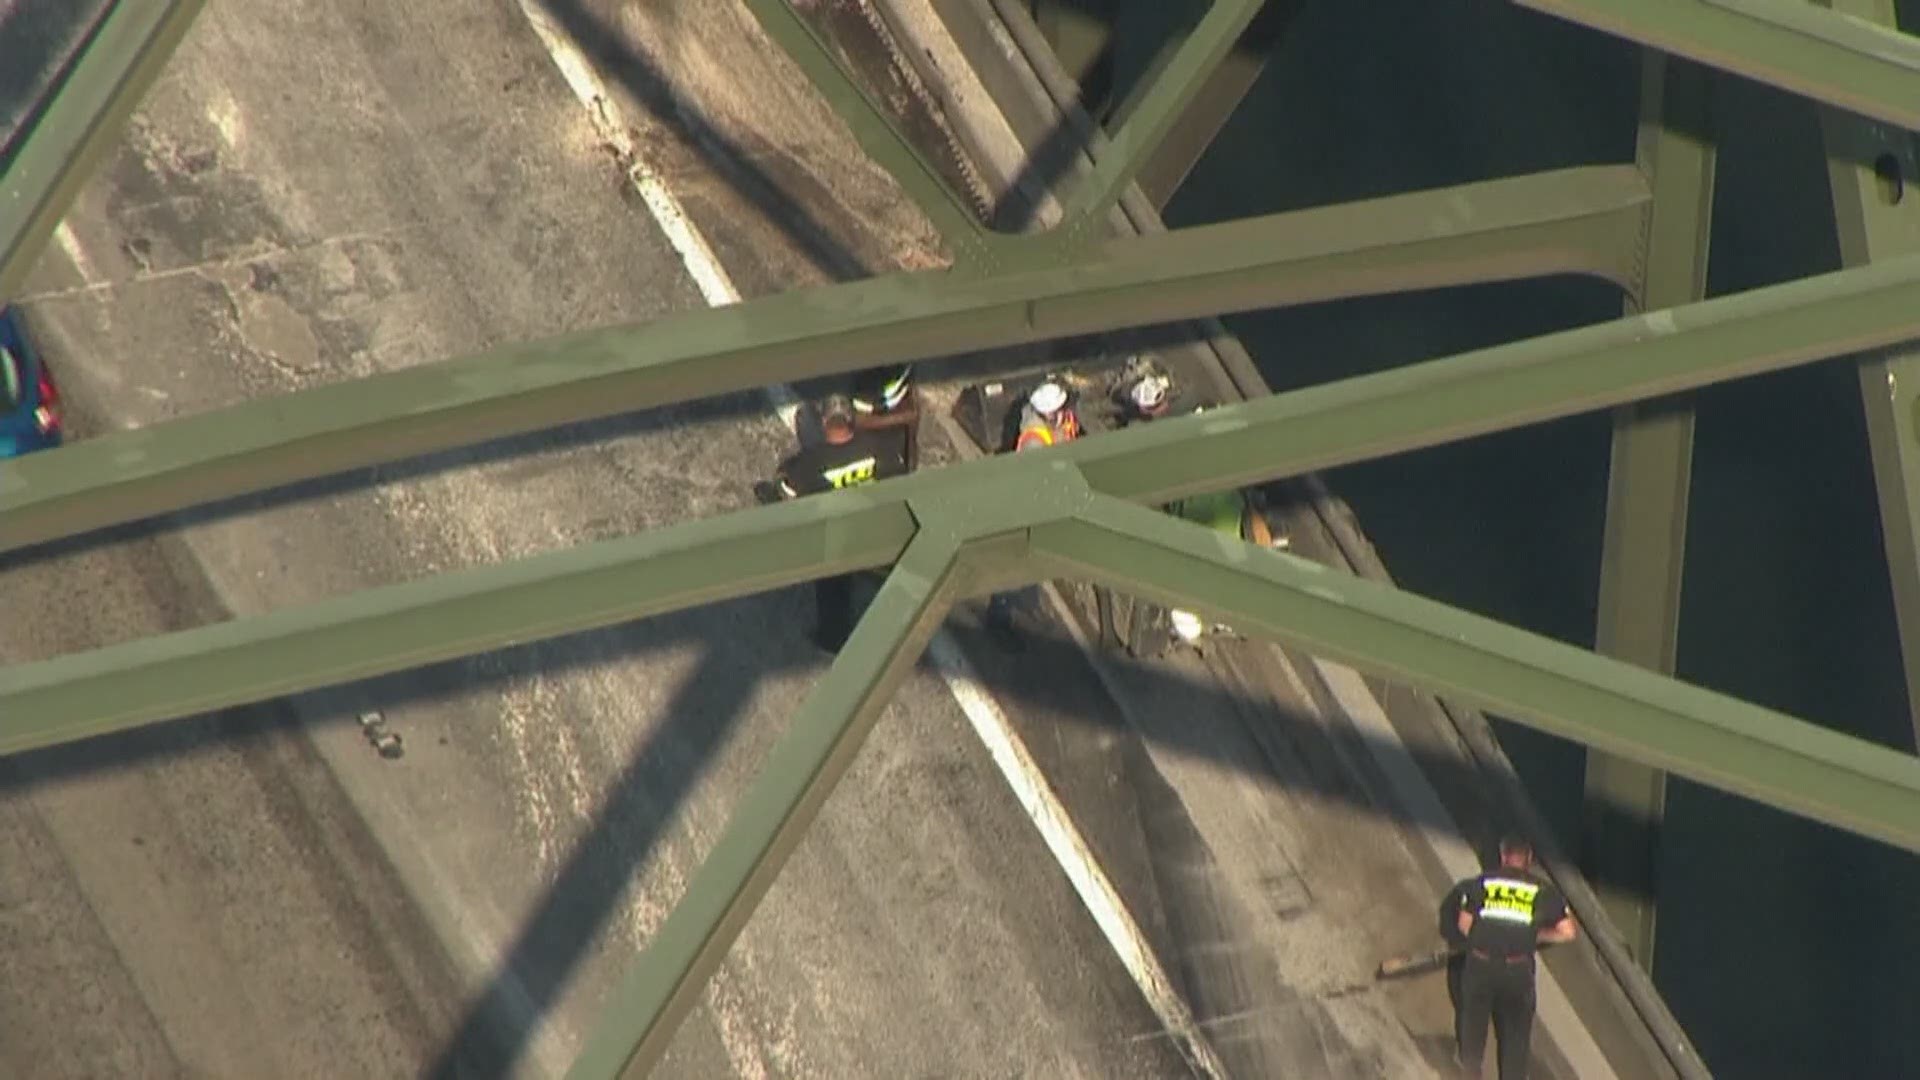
[(1616, 707), (1647, 495), (1543, 378), (1785, 43), (85, 116), (1160, 104), (1234, 446), (1222, 93), (460, 614), (1029, 289), (965, 234), (1570, 221), (378, 631), (1876, 206), (1078, 31), (771, 818)]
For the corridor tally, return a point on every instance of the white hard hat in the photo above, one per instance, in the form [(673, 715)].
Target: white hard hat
[(1048, 398), (1150, 391)]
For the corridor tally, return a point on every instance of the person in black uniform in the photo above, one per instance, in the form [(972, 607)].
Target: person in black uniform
[(848, 457), (1503, 917)]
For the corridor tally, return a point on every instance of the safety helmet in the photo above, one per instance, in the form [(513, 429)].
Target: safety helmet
[(836, 411), (1048, 398), (894, 390), (882, 389), (1149, 392)]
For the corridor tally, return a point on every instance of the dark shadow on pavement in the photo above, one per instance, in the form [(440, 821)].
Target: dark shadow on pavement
[(640, 806), (731, 407), (1049, 678)]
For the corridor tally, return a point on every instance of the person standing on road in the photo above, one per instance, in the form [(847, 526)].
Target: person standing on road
[(848, 457), (1504, 916)]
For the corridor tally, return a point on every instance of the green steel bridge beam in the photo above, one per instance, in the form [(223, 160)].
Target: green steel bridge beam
[(116, 65), (1152, 112), (1225, 88), (1161, 103), (771, 818), (1558, 688), (1647, 494), (1571, 221), (1846, 62), (1078, 31), (446, 617), (952, 217), (1619, 708), (1322, 427), (1871, 170)]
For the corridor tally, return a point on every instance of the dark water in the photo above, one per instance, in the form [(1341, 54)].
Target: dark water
[(1787, 949)]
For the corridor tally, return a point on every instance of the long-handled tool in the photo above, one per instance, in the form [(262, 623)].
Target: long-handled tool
[(1398, 967)]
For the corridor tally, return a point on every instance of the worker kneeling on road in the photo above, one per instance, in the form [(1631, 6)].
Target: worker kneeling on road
[(848, 457), (1504, 916), (1231, 513), (1046, 419), (1146, 393)]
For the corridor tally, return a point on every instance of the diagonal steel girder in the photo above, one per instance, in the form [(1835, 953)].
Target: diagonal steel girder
[(1154, 108), (1555, 686), (402, 626), (1150, 116), (445, 617), (119, 61), (1566, 691), (773, 815), (1182, 147), (1849, 63), (1869, 167), (1572, 221), (951, 216)]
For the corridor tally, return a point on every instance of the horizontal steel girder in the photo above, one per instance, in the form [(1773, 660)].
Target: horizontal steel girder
[(1611, 706), (1792, 44), (116, 66), (1573, 221), (446, 617), (1252, 442), (1608, 705), (772, 817)]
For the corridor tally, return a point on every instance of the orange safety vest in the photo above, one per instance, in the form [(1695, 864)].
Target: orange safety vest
[(1045, 435)]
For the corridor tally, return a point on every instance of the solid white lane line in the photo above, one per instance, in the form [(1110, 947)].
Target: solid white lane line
[(990, 723), (696, 255), (1431, 819), (77, 255)]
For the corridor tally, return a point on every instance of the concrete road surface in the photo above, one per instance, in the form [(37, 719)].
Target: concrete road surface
[(326, 188)]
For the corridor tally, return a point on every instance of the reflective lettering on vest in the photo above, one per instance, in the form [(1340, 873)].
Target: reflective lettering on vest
[(858, 472), (1508, 900)]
